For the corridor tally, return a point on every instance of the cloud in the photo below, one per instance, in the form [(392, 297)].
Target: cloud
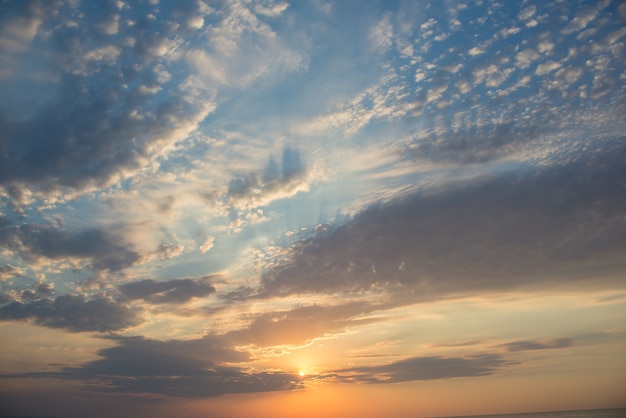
[(144, 357), (493, 75), (382, 34), (73, 146), (270, 8), (243, 48), (97, 59), (7, 271), (384, 100), (524, 58), (301, 325), (260, 188), (476, 145), (524, 345), (476, 51), (74, 313), (452, 68), (509, 31), (110, 26), (158, 122), (621, 11), (169, 291), (164, 251), (583, 18), (174, 368), (102, 249), (99, 136), (53, 145), (527, 13), (36, 292), (424, 368), (554, 226), (202, 384), (570, 74), (206, 245), (547, 67), (435, 93), (19, 28)]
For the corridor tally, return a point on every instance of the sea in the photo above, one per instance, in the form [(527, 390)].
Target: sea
[(592, 413)]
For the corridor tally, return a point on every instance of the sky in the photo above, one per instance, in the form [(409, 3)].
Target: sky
[(262, 208)]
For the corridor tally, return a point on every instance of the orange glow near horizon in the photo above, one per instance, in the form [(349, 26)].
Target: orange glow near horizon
[(457, 397)]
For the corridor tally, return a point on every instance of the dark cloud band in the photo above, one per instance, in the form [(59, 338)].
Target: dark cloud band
[(556, 225)]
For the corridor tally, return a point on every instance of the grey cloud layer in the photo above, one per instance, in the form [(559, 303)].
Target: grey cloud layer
[(74, 313), (76, 146), (196, 369), (425, 368), (204, 367), (175, 368), (559, 224), (526, 345), (169, 291), (102, 249), (79, 313)]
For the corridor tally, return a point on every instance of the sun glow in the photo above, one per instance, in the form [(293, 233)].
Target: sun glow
[(301, 373)]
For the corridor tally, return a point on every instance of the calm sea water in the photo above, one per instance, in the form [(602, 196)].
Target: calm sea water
[(597, 413)]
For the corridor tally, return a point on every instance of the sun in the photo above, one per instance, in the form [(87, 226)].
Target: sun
[(301, 373)]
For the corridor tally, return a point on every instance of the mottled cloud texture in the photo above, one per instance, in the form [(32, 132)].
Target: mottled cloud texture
[(206, 198), (552, 226)]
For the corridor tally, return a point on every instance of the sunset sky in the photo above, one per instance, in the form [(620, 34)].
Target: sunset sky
[(348, 209)]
